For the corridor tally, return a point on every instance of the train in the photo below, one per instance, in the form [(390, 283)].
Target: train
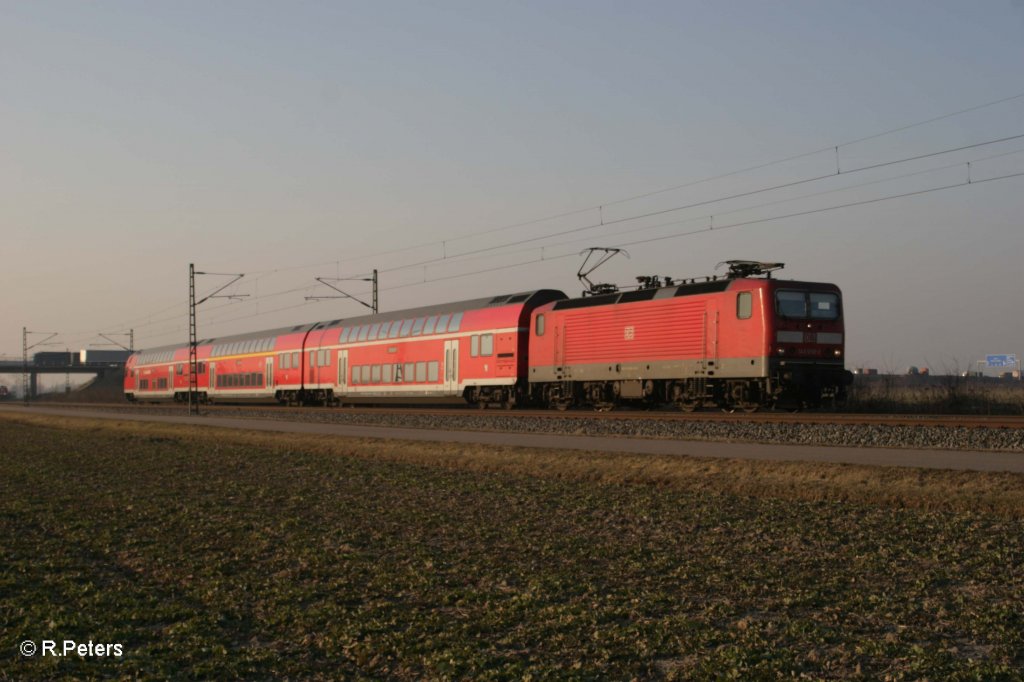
[(741, 341)]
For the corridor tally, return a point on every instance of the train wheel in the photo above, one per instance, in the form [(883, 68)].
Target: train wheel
[(688, 405), (750, 408)]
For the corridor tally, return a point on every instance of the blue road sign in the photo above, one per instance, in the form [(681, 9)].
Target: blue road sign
[(1001, 360)]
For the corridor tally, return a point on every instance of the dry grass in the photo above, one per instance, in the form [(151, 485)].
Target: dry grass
[(893, 394), (899, 487)]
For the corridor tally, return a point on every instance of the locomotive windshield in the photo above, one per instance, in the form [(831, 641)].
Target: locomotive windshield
[(815, 305)]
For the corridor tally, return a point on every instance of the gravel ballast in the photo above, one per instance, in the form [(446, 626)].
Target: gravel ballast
[(924, 436)]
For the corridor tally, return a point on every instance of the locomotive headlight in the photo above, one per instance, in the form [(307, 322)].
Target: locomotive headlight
[(781, 351), (838, 352)]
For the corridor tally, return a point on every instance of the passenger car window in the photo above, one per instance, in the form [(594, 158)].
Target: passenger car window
[(539, 325)]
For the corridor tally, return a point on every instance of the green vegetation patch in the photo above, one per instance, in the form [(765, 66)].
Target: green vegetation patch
[(209, 556)]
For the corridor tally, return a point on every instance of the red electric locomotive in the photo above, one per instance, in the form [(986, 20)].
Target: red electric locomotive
[(741, 341)]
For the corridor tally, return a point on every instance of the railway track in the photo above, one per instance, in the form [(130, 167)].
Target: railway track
[(655, 415)]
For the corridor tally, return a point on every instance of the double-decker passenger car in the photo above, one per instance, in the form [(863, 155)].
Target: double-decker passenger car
[(471, 350)]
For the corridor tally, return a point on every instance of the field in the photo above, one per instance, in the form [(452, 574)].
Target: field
[(216, 554), (941, 394)]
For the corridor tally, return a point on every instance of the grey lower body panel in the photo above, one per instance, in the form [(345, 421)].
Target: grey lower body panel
[(730, 368)]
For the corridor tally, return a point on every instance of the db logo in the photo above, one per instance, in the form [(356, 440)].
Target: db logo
[(629, 333)]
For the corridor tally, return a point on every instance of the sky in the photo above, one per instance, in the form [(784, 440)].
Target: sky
[(474, 148)]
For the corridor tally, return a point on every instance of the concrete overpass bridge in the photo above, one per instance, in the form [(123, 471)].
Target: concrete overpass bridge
[(85, 362)]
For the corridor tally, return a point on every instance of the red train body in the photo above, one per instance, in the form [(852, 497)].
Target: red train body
[(735, 342)]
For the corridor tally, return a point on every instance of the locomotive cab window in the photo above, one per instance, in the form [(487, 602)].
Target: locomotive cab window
[(824, 306), (791, 303), (807, 305), (539, 325), (744, 305)]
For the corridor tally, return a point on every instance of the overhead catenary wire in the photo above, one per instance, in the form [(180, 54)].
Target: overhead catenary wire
[(718, 227), (706, 202), (148, 321), (443, 243)]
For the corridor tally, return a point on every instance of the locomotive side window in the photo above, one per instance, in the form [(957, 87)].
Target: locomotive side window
[(295, 359), (744, 305), (487, 344), (539, 330), (791, 303), (824, 306), (474, 345)]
